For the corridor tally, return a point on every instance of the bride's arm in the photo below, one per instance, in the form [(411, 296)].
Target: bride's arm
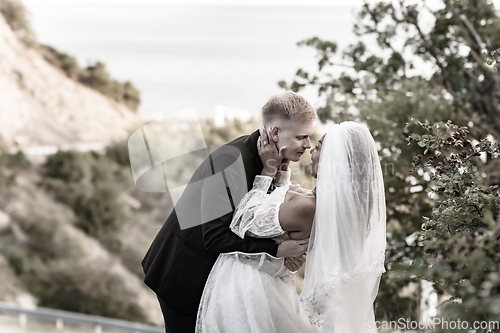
[(296, 216), (255, 215), (282, 178)]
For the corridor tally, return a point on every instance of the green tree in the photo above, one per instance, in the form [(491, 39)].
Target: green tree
[(382, 85), (86, 288), (69, 166), (462, 234), (61, 60), (92, 185), (97, 77), (492, 59)]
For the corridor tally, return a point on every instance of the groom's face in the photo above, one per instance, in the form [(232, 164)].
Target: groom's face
[(295, 135)]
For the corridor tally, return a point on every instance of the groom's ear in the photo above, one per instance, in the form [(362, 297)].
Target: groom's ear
[(275, 133)]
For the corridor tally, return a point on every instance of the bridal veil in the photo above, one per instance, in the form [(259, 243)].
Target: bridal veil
[(346, 250)]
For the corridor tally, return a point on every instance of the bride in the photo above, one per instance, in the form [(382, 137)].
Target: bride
[(345, 218)]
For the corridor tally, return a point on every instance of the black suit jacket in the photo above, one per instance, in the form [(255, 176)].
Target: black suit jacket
[(178, 262)]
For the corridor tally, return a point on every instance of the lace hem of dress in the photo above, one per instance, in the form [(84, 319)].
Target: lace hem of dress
[(314, 302), (264, 262)]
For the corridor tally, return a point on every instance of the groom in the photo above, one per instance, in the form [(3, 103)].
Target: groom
[(179, 260)]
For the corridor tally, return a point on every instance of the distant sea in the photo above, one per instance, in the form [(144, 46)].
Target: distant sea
[(194, 56)]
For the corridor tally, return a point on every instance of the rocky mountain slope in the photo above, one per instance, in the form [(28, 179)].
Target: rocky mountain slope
[(40, 243), (40, 106)]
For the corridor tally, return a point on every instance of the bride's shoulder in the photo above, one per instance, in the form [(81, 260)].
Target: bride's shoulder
[(301, 206), (306, 200)]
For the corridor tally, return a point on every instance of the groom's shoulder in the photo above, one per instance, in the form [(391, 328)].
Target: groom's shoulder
[(241, 145), (245, 143), (227, 154), (241, 140)]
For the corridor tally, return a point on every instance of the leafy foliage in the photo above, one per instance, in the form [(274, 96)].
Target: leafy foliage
[(93, 76), (69, 166), (452, 49), (17, 160), (410, 61), (97, 77), (89, 184), (61, 60), (51, 259), (90, 289), (8, 163), (118, 152), (492, 59), (462, 235), (466, 266), (454, 176)]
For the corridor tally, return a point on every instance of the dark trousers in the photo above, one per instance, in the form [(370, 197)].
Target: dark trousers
[(176, 322)]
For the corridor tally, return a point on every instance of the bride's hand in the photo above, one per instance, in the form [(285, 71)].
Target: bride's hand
[(294, 263), (269, 154)]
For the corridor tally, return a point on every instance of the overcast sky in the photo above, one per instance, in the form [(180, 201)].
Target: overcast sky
[(197, 56), (205, 2), (223, 2)]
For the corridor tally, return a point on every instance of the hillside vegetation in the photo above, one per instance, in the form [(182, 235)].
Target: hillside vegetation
[(73, 234), (74, 229)]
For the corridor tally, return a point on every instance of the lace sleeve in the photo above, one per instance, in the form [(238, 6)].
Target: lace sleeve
[(282, 178), (256, 215)]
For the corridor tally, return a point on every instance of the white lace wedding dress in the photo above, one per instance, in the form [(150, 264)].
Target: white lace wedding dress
[(254, 293)]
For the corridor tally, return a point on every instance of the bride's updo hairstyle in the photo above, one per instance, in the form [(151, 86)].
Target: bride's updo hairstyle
[(347, 246), (287, 106)]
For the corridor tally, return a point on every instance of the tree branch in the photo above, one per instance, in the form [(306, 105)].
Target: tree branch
[(469, 26)]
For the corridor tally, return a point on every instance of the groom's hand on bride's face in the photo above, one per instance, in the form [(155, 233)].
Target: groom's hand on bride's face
[(292, 248)]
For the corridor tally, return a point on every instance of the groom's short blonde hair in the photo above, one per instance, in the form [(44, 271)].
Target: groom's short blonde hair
[(287, 106)]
